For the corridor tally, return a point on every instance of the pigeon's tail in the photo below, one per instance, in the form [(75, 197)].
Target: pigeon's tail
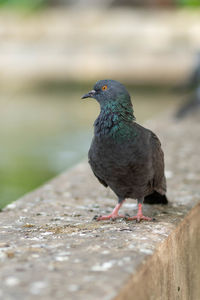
[(155, 198)]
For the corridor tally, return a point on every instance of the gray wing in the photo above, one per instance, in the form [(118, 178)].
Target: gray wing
[(101, 180), (92, 164), (159, 180)]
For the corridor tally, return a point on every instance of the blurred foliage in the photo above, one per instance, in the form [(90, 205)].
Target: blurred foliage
[(194, 3), (34, 5), (26, 5)]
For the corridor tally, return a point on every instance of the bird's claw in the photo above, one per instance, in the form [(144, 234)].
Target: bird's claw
[(111, 217), (95, 218), (138, 218), (127, 215)]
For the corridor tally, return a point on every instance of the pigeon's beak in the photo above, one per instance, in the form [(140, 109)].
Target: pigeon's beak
[(89, 95)]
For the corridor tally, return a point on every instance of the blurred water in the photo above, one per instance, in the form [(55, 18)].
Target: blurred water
[(45, 131)]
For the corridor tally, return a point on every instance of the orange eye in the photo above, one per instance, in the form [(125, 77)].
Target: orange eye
[(104, 87)]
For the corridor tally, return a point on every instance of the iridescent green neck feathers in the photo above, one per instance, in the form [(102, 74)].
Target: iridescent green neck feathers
[(115, 119)]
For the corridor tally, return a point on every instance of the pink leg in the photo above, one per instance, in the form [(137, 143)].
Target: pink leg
[(139, 216), (114, 215)]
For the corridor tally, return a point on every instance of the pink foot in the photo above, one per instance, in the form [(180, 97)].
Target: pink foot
[(139, 218), (113, 216), (109, 217)]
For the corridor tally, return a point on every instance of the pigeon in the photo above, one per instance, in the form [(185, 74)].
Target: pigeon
[(191, 86), (191, 106), (124, 155), (193, 79)]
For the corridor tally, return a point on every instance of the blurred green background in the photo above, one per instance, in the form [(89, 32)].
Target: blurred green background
[(39, 4), (52, 52)]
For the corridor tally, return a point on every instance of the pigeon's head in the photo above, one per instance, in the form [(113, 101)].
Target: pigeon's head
[(109, 92)]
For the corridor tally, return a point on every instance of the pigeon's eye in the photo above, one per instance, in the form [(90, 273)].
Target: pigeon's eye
[(104, 87)]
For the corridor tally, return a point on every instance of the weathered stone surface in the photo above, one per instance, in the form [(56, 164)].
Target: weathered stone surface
[(51, 249)]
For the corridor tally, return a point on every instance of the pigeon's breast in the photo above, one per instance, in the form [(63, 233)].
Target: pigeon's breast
[(107, 154), (124, 167)]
